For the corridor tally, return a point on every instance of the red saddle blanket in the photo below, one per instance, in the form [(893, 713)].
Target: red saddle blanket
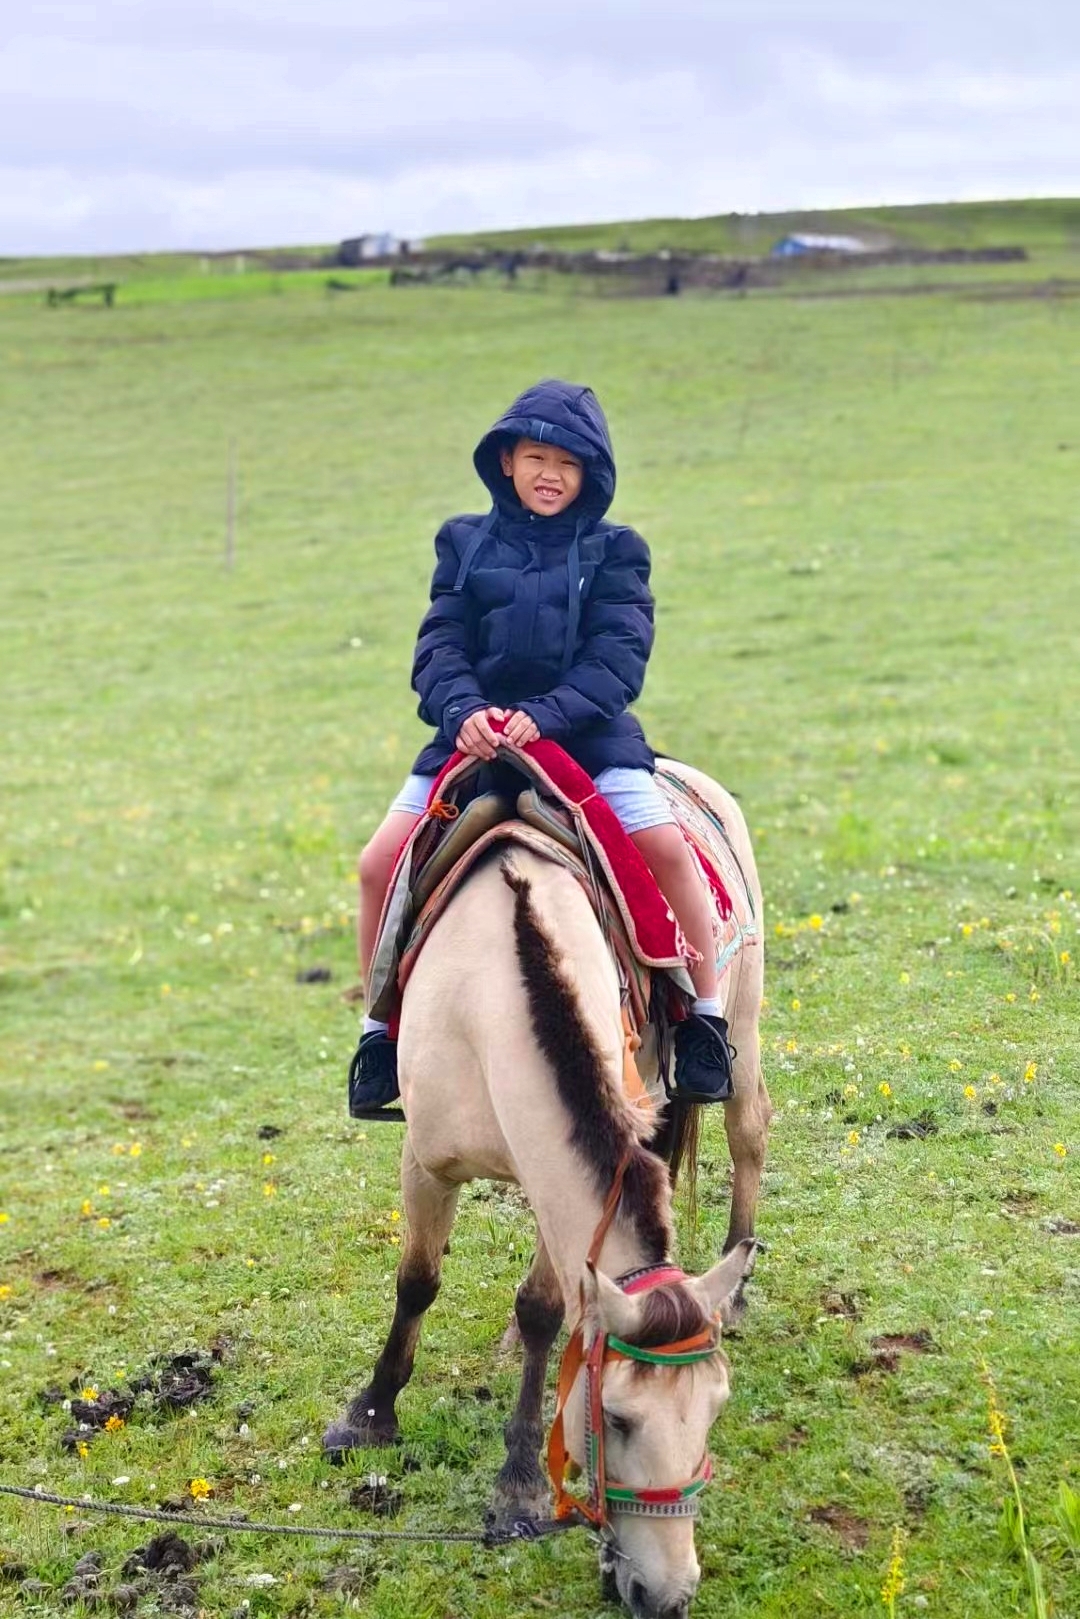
[(653, 932)]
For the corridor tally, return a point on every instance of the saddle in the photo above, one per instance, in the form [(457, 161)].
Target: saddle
[(538, 798)]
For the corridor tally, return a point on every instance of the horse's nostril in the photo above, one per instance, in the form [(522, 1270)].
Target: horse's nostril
[(677, 1610), (636, 1595)]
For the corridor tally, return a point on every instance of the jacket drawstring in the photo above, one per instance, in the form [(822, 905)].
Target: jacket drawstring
[(473, 546), (573, 596)]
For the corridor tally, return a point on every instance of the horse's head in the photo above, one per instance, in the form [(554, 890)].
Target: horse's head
[(638, 1421)]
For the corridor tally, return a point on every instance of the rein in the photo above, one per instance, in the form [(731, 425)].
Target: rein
[(607, 1495)]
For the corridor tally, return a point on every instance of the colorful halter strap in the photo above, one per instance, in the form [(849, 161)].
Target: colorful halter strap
[(607, 1495)]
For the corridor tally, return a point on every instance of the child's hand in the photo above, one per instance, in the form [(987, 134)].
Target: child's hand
[(520, 728), (476, 739)]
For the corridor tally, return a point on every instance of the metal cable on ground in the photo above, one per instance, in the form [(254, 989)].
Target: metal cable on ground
[(523, 1529)]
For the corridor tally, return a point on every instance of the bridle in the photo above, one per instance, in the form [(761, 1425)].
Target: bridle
[(605, 1494)]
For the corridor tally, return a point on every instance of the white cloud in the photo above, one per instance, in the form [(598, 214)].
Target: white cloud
[(154, 125)]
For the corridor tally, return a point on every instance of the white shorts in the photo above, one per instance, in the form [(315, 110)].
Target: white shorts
[(632, 794)]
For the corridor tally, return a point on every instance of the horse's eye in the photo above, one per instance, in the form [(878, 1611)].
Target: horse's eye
[(619, 1425)]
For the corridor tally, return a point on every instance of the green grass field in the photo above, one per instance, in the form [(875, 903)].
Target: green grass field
[(864, 525)]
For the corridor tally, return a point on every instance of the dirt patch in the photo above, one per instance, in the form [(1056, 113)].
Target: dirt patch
[(842, 1304), (794, 1439), (350, 1582), (268, 1132), (314, 975), (916, 1129), (1019, 1202), (887, 1348), (852, 1530), (138, 1112), (50, 1279), (377, 1496), (919, 1342), (1058, 1226)]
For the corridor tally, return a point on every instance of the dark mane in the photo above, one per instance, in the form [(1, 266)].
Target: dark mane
[(599, 1131)]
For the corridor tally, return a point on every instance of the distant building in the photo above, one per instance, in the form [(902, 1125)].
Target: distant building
[(789, 247), (376, 245)]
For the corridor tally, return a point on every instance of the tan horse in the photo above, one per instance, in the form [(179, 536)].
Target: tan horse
[(511, 1062)]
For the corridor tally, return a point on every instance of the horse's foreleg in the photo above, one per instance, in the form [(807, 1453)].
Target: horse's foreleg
[(521, 1490), (746, 1119), (370, 1418)]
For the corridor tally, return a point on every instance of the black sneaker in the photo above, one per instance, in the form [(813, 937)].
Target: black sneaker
[(703, 1059), (373, 1074)]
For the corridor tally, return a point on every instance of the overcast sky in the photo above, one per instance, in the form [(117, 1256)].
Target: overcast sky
[(139, 124)]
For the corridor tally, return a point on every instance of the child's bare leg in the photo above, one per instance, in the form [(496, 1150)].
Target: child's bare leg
[(376, 865), (667, 857)]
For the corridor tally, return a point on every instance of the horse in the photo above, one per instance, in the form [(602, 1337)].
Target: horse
[(511, 1063)]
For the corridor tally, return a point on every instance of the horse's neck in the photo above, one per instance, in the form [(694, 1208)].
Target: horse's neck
[(527, 1060), (569, 1011), (568, 1218)]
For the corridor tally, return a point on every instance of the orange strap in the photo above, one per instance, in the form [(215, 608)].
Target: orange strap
[(573, 1359), (558, 1457), (633, 1084)]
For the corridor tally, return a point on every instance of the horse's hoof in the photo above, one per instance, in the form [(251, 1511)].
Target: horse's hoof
[(338, 1440)]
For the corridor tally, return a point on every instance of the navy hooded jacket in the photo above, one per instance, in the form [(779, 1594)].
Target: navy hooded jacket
[(552, 615)]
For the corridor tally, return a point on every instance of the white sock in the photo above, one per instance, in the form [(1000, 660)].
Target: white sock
[(372, 1026), (709, 1004)]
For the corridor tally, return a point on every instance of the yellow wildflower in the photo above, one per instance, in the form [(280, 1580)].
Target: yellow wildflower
[(199, 1489), (851, 1090), (135, 1149), (4, 1217), (853, 1138), (1033, 995), (791, 1047), (114, 1424), (394, 1215), (103, 1191), (1061, 1149), (269, 1189), (796, 1004), (885, 1088), (970, 1092), (967, 930), (89, 1393), (1029, 1073), (104, 1222), (816, 922), (83, 1448), (1010, 998), (6, 1290), (166, 989), (955, 1066), (894, 1579), (1065, 958), (268, 1158), (905, 978), (87, 1208)]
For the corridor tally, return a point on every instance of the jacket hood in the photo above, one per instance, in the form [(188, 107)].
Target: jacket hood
[(560, 413)]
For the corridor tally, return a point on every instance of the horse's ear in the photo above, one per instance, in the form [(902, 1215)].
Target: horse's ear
[(720, 1289), (605, 1307)]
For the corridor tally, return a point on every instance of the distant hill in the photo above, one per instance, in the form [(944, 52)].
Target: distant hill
[(1039, 224), (1049, 228)]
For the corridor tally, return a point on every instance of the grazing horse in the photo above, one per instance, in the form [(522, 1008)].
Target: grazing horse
[(511, 1062)]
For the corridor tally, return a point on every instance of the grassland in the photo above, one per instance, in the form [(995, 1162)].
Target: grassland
[(863, 519)]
